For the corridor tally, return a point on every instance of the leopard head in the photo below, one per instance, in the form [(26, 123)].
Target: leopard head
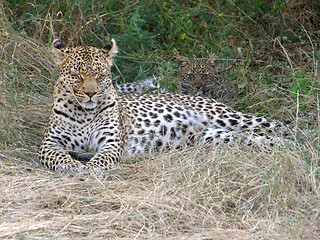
[(85, 72), (196, 73)]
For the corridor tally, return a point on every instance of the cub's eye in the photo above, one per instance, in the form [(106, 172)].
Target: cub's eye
[(205, 75), (190, 74)]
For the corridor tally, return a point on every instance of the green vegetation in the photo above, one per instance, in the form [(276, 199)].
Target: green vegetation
[(238, 192), (275, 40)]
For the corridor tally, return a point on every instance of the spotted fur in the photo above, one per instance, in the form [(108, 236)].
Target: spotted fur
[(149, 85), (89, 116)]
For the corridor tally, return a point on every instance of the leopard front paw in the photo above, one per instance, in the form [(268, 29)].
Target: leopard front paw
[(90, 169), (68, 168)]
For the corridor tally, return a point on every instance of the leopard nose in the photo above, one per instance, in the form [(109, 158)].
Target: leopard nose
[(90, 94), (198, 83)]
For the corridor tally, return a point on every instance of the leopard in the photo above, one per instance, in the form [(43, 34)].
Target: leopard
[(197, 76), (208, 77), (89, 116)]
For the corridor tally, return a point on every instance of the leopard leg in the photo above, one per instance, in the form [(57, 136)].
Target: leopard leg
[(58, 160)]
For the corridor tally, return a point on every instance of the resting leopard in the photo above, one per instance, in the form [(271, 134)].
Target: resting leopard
[(197, 76), (207, 77), (88, 115)]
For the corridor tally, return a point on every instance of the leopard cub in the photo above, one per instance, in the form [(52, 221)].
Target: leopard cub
[(197, 76)]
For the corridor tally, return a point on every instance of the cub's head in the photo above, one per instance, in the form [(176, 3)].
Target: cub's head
[(196, 73), (85, 72)]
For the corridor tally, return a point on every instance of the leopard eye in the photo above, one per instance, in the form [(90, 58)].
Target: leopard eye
[(205, 75), (101, 77), (190, 74), (76, 75)]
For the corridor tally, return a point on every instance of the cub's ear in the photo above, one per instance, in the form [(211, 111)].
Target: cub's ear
[(111, 50), (213, 60), (58, 51), (182, 61)]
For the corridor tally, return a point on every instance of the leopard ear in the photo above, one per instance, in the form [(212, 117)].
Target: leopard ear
[(182, 61), (111, 49), (59, 53), (212, 61)]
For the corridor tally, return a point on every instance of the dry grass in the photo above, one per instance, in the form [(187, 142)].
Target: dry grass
[(223, 193), (237, 192)]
